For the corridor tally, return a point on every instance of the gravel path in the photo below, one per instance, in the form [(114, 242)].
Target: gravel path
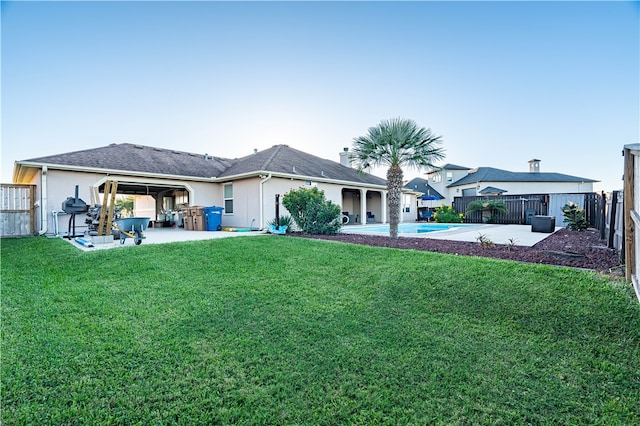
[(564, 248)]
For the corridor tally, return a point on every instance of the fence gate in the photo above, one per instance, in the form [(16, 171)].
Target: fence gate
[(17, 210)]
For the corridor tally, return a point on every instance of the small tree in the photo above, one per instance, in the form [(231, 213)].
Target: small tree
[(574, 217), (312, 212), (125, 204), (396, 143), (489, 208)]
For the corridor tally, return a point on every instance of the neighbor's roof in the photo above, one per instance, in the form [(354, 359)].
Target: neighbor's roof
[(489, 174), (447, 166), (492, 190), (282, 159), (422, 185), (450, 166), (135, 158)]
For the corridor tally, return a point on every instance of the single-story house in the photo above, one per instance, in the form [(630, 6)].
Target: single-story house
[(246, 187), (457, 181)]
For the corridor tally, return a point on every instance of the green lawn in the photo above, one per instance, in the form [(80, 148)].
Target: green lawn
[(279, 330)]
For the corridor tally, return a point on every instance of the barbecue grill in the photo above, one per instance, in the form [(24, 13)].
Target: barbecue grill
[(73, 206)]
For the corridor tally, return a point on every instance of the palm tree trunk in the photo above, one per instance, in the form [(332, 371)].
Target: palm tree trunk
[(394, 185)]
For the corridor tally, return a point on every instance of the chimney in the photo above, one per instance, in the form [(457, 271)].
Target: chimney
[(345, 157), (534, 166)]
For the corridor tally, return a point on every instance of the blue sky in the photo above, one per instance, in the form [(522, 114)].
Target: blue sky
[(502, 82)]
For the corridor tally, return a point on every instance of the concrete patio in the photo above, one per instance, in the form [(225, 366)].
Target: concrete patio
[(519, 235)]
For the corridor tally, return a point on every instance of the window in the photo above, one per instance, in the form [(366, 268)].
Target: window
[(449, 176), (228, 198), (182, 197), (406, 203), (436, 177)]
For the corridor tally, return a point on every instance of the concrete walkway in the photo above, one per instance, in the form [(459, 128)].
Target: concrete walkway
[(166, 235)]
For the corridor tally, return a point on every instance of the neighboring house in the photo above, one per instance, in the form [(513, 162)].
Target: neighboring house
[(427, 197), (456, 181), (246, 187)]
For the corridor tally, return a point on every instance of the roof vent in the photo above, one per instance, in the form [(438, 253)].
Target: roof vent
[(322, 173), (255, 151), (294, 169), (206, 156)]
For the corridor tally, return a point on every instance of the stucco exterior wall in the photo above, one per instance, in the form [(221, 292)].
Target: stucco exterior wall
[(61, 184), (253, 198)]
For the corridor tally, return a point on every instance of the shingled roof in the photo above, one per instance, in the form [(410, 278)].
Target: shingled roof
[(279, 159), (128, 157), (489, 174), (422, 185), (282, 159)]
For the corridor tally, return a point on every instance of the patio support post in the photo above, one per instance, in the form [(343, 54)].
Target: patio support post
[(383, 198), (363, 206)]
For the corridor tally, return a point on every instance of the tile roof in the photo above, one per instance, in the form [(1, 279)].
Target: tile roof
[(281, 159), (489, 174)]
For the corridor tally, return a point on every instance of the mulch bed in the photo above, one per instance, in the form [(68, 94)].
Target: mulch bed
[(582, 250)]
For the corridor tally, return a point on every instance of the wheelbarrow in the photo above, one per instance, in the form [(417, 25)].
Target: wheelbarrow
[(132, 227)]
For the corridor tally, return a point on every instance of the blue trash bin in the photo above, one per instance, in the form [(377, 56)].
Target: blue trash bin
[(213, 218)]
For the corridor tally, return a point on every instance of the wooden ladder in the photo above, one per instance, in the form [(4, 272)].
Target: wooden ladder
[(108, 206)]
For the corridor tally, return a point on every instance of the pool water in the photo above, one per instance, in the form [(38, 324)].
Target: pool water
[(408, 228)]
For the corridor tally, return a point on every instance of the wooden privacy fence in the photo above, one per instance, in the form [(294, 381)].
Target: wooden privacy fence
[(602, 212), (632, 215), (521, 208), (17, 210)]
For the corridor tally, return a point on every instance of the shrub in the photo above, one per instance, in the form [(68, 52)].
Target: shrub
[(285, 220), (574, 217), (312, 212), (446, 214), (485, 241)]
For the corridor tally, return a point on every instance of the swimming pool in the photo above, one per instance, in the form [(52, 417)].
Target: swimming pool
[(406, 228)]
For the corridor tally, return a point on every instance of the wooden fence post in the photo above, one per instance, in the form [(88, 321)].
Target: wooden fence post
[(603, 214), (612, 220)]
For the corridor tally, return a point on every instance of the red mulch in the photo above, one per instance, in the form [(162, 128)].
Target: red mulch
[(564, 248)]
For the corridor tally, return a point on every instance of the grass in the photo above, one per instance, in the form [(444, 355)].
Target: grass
[(276, 330)]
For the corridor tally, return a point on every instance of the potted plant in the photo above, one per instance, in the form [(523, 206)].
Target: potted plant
[(489, 209)]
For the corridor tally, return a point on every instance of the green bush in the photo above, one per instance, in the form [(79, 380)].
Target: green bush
[(446, 214), (574, 217), (312, 212)]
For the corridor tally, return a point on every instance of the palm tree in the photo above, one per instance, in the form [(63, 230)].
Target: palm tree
[(396, 143)]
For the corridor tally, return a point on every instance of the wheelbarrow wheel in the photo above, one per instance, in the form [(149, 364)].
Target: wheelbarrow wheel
[(122, 239), (138, 241)]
